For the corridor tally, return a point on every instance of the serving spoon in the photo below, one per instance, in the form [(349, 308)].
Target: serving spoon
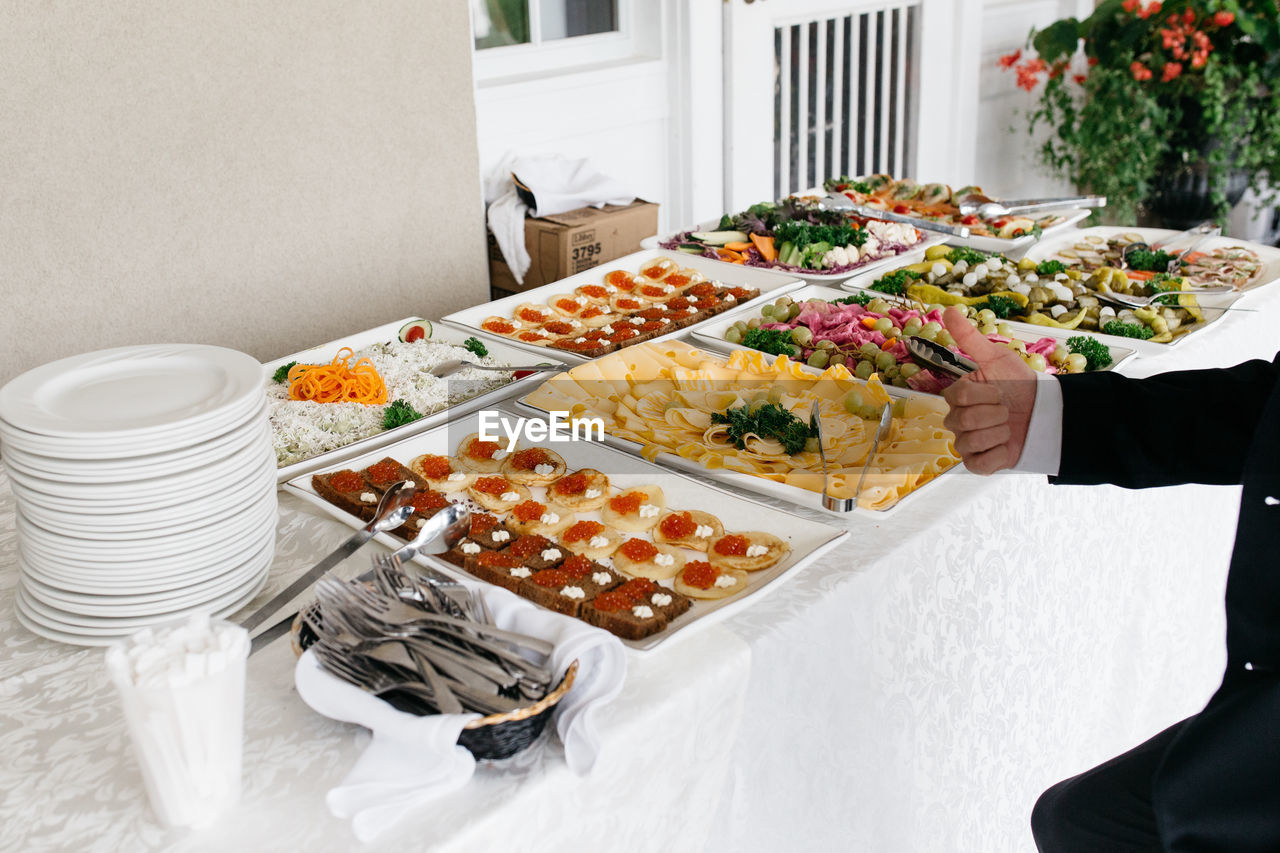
[(453, 365)]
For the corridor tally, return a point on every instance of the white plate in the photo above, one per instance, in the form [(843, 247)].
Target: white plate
[(180, 569), (128, 550), (192, 492), (1268, 255), (129, 393), (181, 516), (712, 334), (931, 238), (132, 604), (55, 628), (503, 351), (770, 285), (110, 587), (138, 467), (809, 539)]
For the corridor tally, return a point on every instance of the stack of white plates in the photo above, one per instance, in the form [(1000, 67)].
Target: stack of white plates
[(145, 486)]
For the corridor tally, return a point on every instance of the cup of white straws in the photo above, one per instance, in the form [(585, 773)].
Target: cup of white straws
[(182, 688)]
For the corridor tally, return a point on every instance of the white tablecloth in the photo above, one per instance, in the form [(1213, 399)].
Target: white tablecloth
[(914, 691)]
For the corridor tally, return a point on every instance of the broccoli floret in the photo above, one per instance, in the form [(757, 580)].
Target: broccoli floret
[(1095, 352)]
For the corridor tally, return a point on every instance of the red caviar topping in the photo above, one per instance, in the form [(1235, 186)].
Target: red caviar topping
[(630, 304), (678, 525), (502, 327), (482, 449), (702, 288), (429, 501), (700, 574), (527, 546), (608, 602), (492, 485), (623, 335), (569, 306), (732, 545), (583, 531), (626, 503), (530, 458), (497, 559), (676, 279), (573, 484), (619, 279), (595, 291), (435, 467), (531, 315), (529, 511), (550, 578), (577, 566), (559, 327), (639, 550), (593, 311), (347, 481), (385, 472), (482, 523)]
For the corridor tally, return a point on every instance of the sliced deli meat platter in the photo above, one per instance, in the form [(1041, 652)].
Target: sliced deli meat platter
[(582, 528), (307, 435), (645, 296)]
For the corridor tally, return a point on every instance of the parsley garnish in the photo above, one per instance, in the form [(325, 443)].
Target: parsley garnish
[(772, 341), (1095, 352), (969, 256), (1127, 330), (1050, 267), (896, 282), (282, 372), (1002, 306), (859, 298), (476, 346), (768, 421), (1147, 260), (399, 413)]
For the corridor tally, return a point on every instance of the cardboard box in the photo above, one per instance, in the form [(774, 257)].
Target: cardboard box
[(571, 242)]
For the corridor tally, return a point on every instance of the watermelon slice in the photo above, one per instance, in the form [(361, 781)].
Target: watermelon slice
[(415, 331)]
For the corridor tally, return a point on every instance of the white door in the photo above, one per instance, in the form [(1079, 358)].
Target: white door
[(821, 88)]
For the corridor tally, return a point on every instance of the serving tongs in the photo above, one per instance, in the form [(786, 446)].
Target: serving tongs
[(989, 208), (1202, 232), (829, 501), (935, 356), (841, 202)]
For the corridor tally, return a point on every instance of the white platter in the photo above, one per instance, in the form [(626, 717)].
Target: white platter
[(1268, 255), (503, 351), (808, 539), (712, 334), (1140, 348), (931, 238), (770, 285), (128, 394)]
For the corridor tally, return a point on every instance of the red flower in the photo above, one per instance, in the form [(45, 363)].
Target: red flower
[(1130, 5), (1171, 70), (1010, 60), (1140, 72), (1199, 58), (1093, 60), (1080, 78), (1189, 17), (1223, 19), (1150, 9), (1057, 69)]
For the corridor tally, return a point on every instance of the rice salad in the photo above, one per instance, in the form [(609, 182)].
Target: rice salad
[(302, 429)]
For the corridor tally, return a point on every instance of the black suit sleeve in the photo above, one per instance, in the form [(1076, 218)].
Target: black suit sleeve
[(1190, 426)]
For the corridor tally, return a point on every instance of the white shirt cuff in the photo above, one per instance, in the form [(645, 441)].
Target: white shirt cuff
[(1042, 452)]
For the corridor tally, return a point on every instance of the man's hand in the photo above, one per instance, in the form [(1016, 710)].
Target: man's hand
[(991, 407)]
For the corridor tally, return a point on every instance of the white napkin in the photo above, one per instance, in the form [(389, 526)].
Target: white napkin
[(412, 760), (558, 184)]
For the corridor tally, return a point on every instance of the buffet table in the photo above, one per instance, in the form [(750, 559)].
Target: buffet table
[(914, 690)]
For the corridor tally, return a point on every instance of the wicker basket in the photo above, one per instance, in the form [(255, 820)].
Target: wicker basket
[(495, 736)]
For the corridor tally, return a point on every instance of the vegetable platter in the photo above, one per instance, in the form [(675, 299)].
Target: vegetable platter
[(797, 238), (938, 202), (743, 420), (1214, 261), (590, 292), (1037, 295), (309, 435), (866, 333), (800, 541)]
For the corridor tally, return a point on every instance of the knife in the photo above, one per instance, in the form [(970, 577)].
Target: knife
[(393, 510), (886, 418)]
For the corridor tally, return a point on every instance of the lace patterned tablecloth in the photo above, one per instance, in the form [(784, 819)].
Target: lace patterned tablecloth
[(913, 691)]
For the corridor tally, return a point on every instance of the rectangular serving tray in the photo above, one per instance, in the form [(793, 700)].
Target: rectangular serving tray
[(808, 539), (711, 334), (770, 285), (324, 353)]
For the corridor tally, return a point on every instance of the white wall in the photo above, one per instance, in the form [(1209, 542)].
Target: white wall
[(259, 175)]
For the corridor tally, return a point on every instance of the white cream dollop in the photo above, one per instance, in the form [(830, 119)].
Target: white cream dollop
[(602, 578), (507, 497), (598, 542), (642, 611), (469, 548), (551, 554), (757, 550), (660, 599), (544, 469), (550, 518), (456, 476), (592, 493), (725, 581), (573, 592), (520, 572), (704, 531), (648, 511), (501, 536), (664, 560), (368, 497)]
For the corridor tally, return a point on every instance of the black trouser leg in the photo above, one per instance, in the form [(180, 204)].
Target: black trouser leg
[(1107, 809)]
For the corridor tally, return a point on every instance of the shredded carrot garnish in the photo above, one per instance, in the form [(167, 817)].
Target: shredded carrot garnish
[(338, 381)]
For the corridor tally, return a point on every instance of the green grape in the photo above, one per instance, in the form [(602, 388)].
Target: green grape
[(869, 350), (1076, 363), (768, 312), (944, 338), (818, 358), (853, 402), (1004, 330), (802, 336), (986, 316), (811, 444), (1060, 353), (733, 336), (930, 330), (782, 302), (839, 358), (933, 306), (987, 328), (884, 361), (892, 372), (1036, 362), (878, 306), (884, 326), (900, 382), (910, 369), (868, 413), (754, 323), (826, 345), (863, 370), (912, 327), (792, 313)]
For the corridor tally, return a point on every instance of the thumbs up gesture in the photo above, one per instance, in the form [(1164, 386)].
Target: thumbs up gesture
[(991, 407)]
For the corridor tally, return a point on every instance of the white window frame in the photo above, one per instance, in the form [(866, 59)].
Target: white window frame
[(637, 37)]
